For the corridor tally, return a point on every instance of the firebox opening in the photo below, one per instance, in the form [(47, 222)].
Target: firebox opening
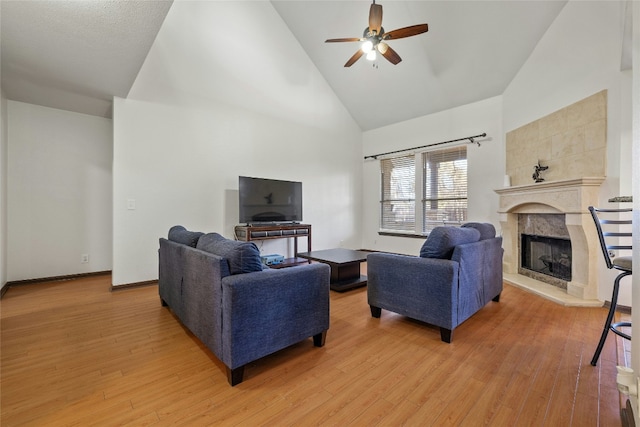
[(546, 255)]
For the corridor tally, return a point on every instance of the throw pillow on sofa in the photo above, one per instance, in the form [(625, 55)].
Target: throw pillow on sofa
[(207, 242), (442, 241), (243, 257), (487, 230), (179, 234)]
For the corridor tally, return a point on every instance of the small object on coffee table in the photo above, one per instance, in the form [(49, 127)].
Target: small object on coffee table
[(345, 266)]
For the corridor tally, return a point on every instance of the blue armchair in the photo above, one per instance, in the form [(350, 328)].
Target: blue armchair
[(458, 272)]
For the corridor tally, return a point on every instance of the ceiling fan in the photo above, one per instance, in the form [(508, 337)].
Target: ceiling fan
[(375, 38)]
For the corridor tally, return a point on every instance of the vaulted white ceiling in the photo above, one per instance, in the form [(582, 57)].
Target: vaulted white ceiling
[(472, 50), (77, 55)]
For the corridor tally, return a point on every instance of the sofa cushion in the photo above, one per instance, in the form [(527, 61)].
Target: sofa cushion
[(243, 257), (487, 230), (443, 240), (207, 242), (179, 234)]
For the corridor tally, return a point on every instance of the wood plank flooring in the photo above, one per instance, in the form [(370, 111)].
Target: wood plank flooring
[(74, 353)]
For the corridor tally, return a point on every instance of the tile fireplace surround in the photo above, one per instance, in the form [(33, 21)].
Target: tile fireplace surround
[(571, 198)]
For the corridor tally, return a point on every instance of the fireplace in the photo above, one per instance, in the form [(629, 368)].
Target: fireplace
[(572, 143), (544, 248), (557, 209), (544, 256)]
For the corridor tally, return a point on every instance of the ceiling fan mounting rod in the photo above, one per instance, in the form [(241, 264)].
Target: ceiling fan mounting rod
[(470, 138)]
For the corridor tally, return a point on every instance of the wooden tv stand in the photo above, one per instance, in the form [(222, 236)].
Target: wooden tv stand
[(248, 233)]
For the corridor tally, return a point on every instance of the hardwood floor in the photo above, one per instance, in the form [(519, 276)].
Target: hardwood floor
[(74, 353)]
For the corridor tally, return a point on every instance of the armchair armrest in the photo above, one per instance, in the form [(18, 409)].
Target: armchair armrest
[(421, 288), (263, 312)]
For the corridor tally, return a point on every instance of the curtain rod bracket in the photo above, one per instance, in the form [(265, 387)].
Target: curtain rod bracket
[(473, 141)]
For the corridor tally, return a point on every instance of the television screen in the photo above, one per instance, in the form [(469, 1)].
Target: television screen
[(269, 200)]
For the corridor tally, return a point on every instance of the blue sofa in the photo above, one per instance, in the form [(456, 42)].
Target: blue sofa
[(238, 308), (458, 272)]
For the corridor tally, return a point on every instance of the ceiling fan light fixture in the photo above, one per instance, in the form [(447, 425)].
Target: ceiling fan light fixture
[(371, 55), (367, 46), (382, 47)]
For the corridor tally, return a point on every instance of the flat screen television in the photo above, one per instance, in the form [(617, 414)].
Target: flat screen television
[(269, 200)]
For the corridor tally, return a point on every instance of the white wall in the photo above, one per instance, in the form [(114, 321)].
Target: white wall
[(198, 117), (578, 56), (3, 188), (485, 164), (59, 192)]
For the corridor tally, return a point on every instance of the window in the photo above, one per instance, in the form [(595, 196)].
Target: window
[(398, 194), (445, 187), (441, 186)]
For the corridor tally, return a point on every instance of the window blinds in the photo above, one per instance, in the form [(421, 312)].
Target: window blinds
[(445, 187), (398, 212)]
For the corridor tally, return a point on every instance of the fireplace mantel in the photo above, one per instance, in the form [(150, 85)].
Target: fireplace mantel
[(568, 196), (571, 198)]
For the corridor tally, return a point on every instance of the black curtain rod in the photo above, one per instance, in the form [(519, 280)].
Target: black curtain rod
[(470, 138)]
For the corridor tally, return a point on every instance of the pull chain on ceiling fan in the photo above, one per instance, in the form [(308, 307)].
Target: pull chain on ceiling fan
[(374, 38)]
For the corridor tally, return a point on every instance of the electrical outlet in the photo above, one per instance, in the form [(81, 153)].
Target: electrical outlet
[(84, 258)]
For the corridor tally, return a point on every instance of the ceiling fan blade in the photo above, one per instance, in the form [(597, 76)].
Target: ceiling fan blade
[(375, 18), (406, 32), (386, 51), (348, 39), (354, 58)]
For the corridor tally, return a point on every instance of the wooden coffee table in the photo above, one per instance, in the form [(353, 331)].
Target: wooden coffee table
[(345, 266)]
